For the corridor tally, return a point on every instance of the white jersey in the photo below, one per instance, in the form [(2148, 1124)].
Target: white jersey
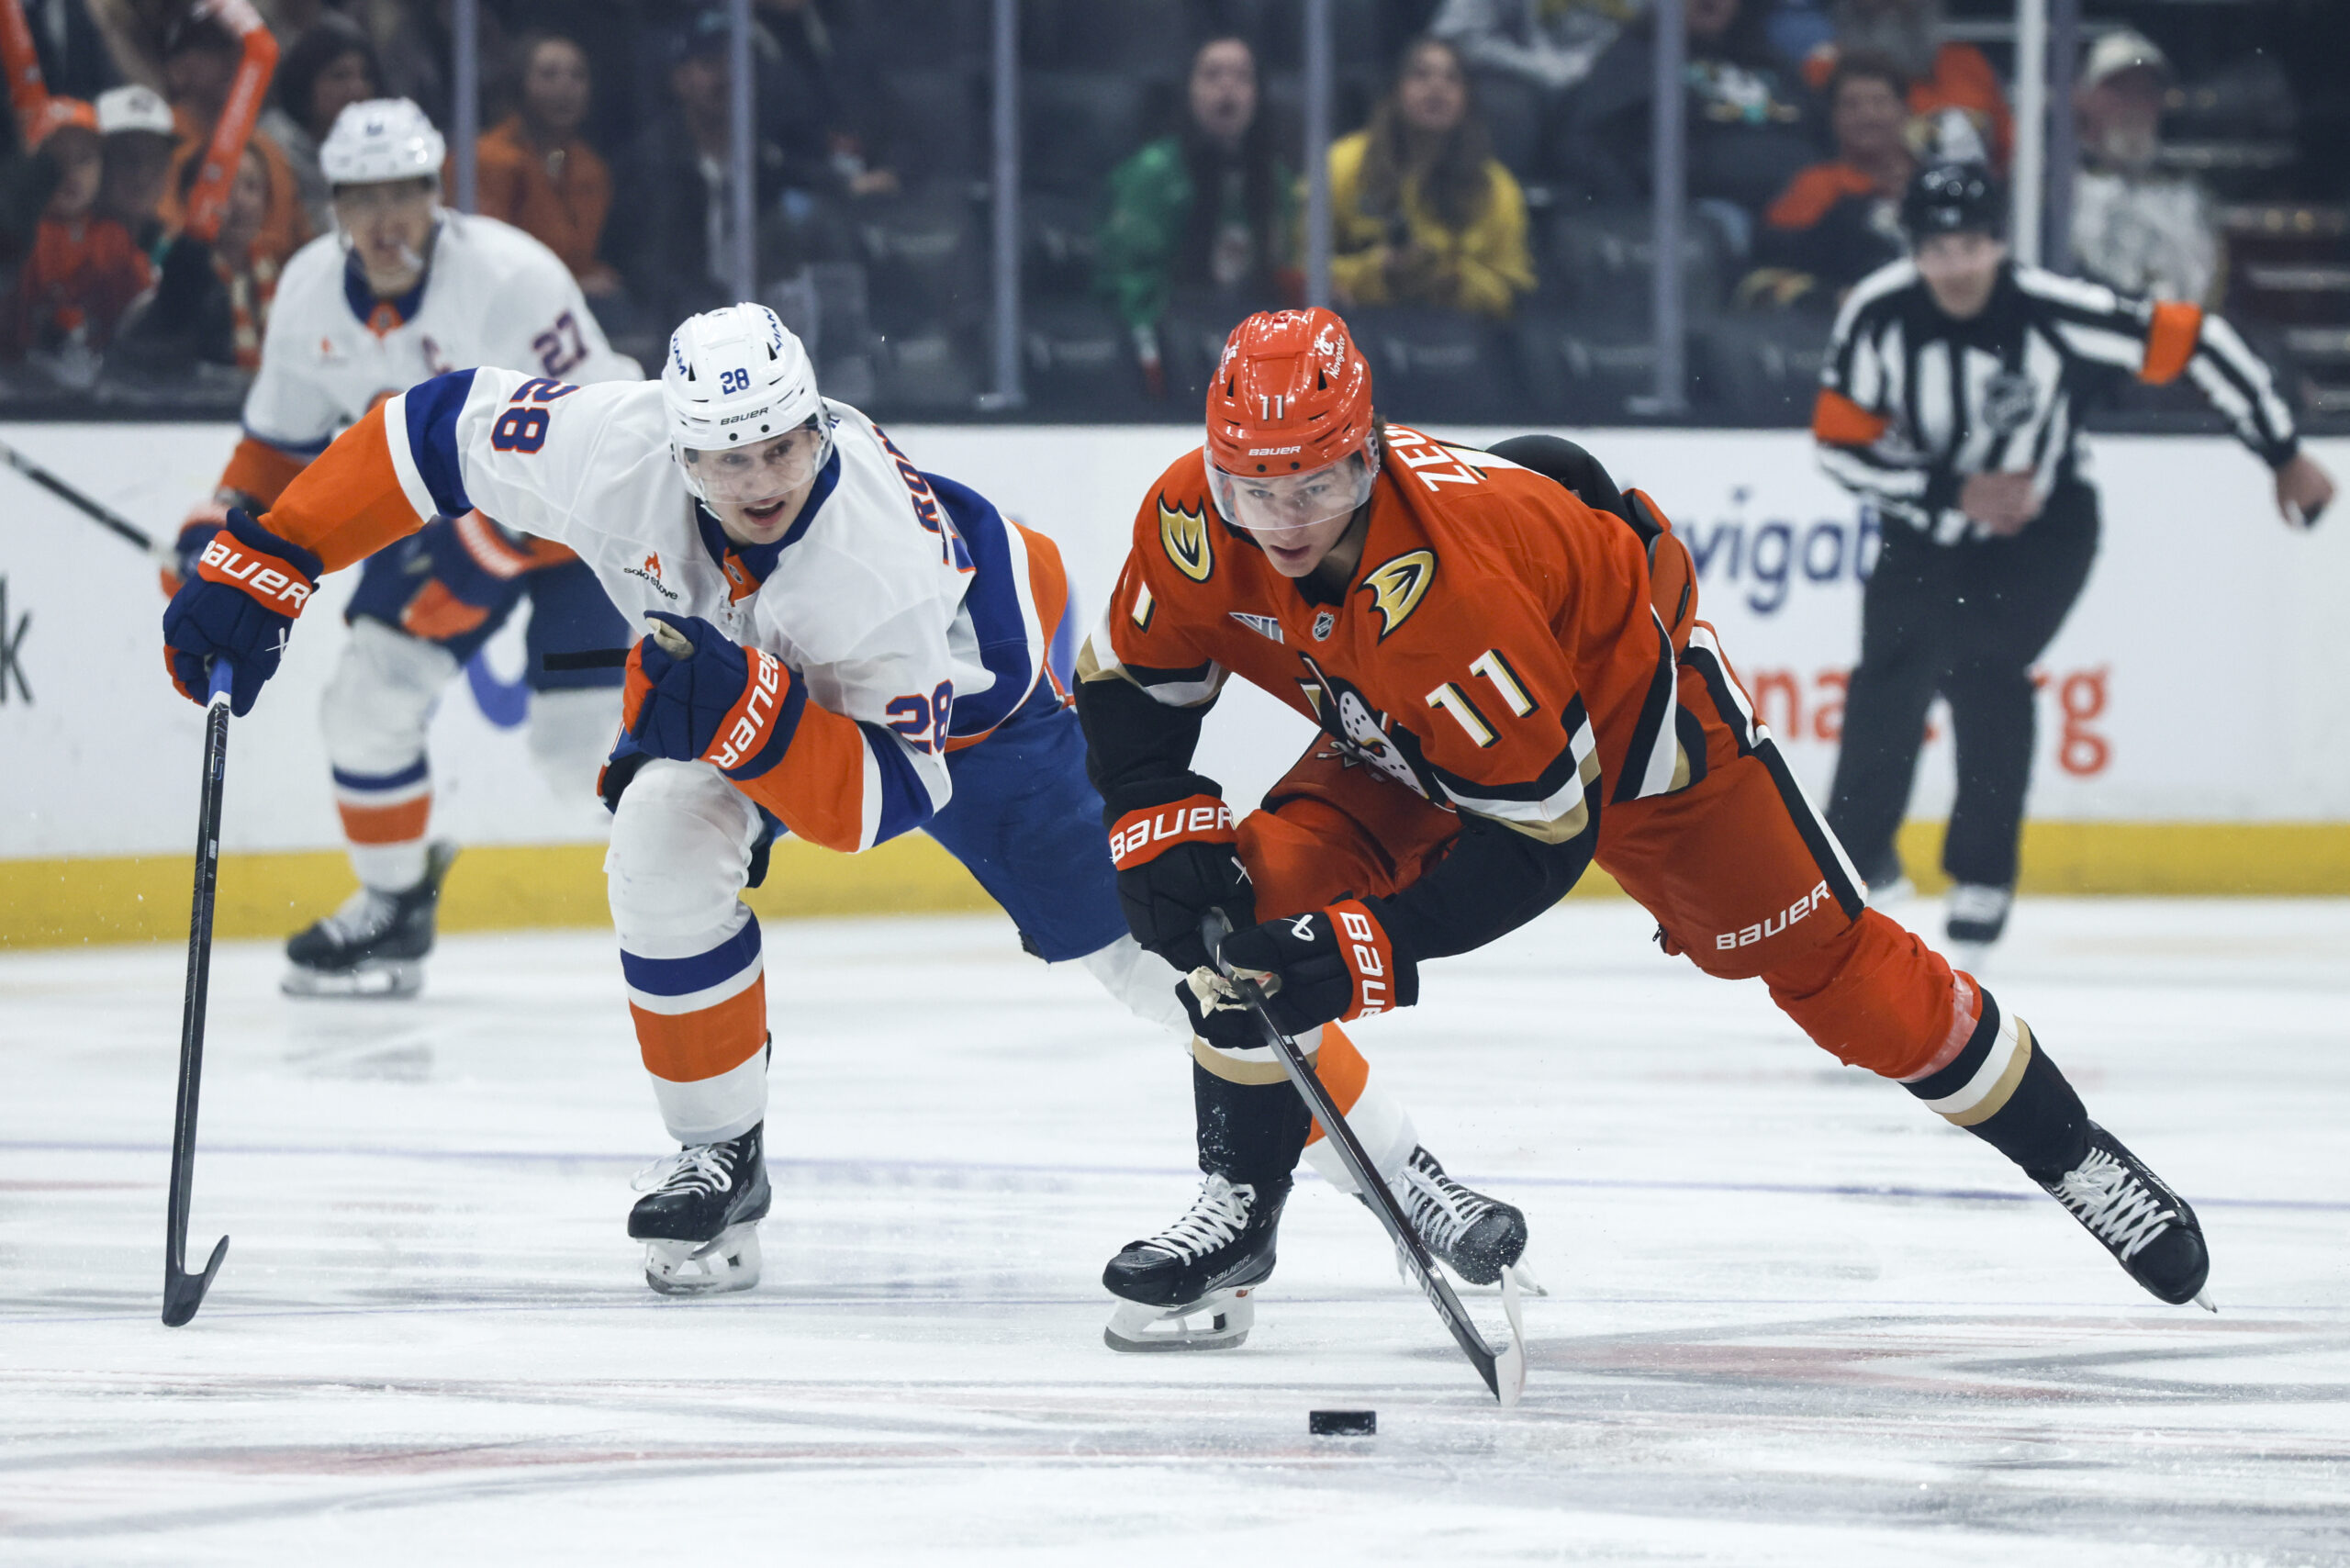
[(492, 296), (905, 601)]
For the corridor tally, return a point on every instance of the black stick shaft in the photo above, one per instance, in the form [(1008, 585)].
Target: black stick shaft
[(1432, 1280), (96, 510), (184, 1292), (586, 658)]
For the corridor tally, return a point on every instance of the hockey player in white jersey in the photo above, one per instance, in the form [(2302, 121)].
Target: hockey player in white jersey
[(845, 647), (405, 290)]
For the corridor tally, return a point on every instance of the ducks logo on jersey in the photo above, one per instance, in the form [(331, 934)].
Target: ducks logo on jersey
[(1184, 532), (1397, 586)]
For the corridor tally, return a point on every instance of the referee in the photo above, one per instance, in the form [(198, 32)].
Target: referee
[(1949, 405)]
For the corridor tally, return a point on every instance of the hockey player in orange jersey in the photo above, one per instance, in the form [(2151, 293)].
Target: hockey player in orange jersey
[(1511, 685)]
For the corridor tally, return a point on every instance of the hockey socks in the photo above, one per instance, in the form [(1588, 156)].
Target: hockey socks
[(2004, 1088), (1250, 1133)]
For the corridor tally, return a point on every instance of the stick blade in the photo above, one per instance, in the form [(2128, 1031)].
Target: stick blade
[(184, 1292)]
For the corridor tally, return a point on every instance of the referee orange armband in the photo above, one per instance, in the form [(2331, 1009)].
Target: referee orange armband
[(1143, 835)]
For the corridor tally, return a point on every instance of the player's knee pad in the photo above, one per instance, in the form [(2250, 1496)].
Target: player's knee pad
[(1140, 978), (570, 734), (680, 850), (380, 699)]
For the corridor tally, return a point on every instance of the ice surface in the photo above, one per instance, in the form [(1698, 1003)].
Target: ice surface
[(1795, 1320)]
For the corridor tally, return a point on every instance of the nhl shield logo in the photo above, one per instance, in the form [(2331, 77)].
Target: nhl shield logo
[(1324, 624), (2009, 401)]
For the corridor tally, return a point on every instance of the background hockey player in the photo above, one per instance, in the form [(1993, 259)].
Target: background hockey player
[(407, 290), (1511, 685), (847, 648), (1949, 404)]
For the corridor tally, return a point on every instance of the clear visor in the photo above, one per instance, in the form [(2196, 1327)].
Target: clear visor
[(1277, 504), (762, 471)]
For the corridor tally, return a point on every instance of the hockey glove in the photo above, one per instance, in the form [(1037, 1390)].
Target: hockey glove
[(1328, 964), (249, 586), (195, 534), (694, 695), (458, 591), (1175, 862)]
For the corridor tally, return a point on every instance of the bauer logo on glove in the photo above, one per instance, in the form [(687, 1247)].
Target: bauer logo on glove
[(248, 587), (268, 578), (1325, 966)]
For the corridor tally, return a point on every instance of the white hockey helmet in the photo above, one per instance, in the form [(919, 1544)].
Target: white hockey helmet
[(379, 140), (737, 376)]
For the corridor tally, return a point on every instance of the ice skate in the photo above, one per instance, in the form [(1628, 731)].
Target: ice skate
[(1978, 913), (2148, 1228), (375, 945), (699, 1216), (1478, 1236), (1188, 1287)]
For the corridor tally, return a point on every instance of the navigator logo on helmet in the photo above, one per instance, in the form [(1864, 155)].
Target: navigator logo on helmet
[(1290, 443), (380, 140), (736, 377)]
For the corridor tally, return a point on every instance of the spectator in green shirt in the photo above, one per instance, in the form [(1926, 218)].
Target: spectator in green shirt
[(1206, 212)]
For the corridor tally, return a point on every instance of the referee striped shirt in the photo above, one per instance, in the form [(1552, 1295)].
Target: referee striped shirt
[(1913, 402)]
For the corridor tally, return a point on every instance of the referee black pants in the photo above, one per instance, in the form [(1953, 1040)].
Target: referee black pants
[(1966, 620)]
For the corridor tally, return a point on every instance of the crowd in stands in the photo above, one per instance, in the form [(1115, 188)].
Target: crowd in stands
[(1492, 162)]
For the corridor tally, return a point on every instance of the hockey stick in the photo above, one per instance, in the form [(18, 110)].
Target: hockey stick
[(183, 1292), (589, 658), (1504, 1370), (96, 510), (668, 636)]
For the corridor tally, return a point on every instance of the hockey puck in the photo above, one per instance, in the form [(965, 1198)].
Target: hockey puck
[(1342, 1423)]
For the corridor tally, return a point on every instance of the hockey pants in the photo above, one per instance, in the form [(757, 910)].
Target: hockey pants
[(1742, 874)]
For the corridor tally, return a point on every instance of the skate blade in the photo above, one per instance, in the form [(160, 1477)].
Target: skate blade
[(390, 980), (1509, 1360), (1217, 1321), (705, 1268)]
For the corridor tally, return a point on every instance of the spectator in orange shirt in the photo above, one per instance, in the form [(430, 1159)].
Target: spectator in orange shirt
[(1839, 221), (536, 172), (211, 303), (84, 269), (1953, 89), (201, 57)]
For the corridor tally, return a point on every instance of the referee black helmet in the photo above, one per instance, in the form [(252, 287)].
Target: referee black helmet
[(1952, 198)]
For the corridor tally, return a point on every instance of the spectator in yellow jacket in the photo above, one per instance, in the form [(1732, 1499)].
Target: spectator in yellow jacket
[(1421, 211)]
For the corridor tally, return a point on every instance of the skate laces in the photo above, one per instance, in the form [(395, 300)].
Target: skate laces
[(2118, 1207), (365, 913), (700, 1168), (1439, 1207), (1218, 1216)]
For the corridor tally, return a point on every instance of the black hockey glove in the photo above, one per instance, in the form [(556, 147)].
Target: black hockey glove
[(1323, 966), (1175, 862)]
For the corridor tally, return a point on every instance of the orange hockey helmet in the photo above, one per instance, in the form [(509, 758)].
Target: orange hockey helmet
[(1289, 430)]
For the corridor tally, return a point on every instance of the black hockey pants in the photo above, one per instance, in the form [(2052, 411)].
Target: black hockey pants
[(1965, 621)]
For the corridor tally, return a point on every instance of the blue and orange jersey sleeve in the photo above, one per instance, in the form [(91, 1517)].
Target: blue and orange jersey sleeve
[(846, 785), (350, 502)]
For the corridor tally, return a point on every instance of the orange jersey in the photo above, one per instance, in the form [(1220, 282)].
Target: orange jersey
[(1497, 651)]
